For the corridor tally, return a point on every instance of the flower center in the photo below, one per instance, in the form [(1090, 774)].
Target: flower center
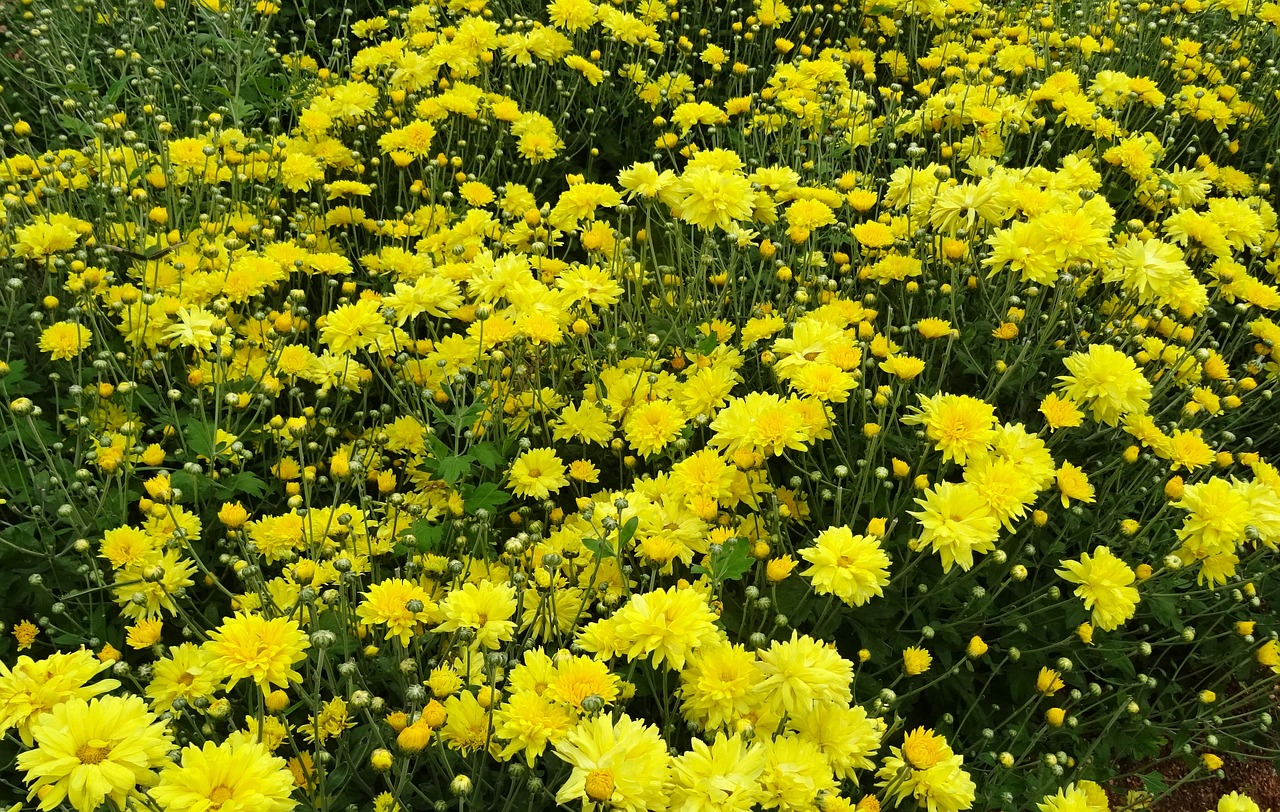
[(93, 751), (921, 752), (599, 785), (219, 796)]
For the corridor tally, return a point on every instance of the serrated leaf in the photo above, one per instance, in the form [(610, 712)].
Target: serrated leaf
[(733, 561), (426, 535), (488, 455), (202, 437), (244, 483), (486, 496), (452, 469)]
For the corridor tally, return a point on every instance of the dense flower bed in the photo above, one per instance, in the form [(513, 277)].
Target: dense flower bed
[(642, 406)]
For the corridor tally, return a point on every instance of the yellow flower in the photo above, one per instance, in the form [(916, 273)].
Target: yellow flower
[(238, 773), (1059, 412), (25, 633), (252, 647), (484, 609), (1049, 682), (87, 752), (853, 568), (1104, 586), (621, 764), (779, 569), (1107, 380), (537, 473), (916, 660), (1073, 483), (398, 603), (65, 340), (962, 426), (34, 687), (977, 647), (957, 521), (144, 633)]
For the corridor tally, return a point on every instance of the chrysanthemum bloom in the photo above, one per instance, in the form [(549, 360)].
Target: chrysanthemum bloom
[(1073, 483), (87, 752), (1237, 802), (252, 647), (485, 609), (1107, 380), (667, 625), (795, 772), (958, 523), (357, 326), (651, 427), (185, 673), (1104, 586), (44, 238), (1048, 681), (1218, 513), (724, 775), (621, 765), (528, 723), (398, 603), (65, 340), (237, 775), (916, 660), (537, 473), (1060, 413), (577, 678), (962, 426), (846, 736), (926, 768), (853, 568), (1005, 486), (1073, 798), (801, 671), (34, 687), (711, 198), (719, 685)]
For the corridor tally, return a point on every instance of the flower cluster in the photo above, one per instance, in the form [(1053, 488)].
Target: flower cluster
[(645, 405)]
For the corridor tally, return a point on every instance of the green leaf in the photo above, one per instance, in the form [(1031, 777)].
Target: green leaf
[(488, 455), (733, 561), (486, 496), (202, 437), (1165, 610), (75, 125), (1154, 783), (452, 469), (628, 531), (426, 536), (244, 483), (599, 547)]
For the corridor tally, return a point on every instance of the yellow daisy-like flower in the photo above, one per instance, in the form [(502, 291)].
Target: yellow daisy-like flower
[(87, 752), (853, 568), (537, 473), (65, 340), (398, 603), (237, 774), (1104, 586), (622, 765), (252, 647), (916, 660), (1060, 412)]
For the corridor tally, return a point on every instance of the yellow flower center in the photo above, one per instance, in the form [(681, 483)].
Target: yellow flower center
[(93, 751), (599, 785), (922, 752), (219, 796)]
